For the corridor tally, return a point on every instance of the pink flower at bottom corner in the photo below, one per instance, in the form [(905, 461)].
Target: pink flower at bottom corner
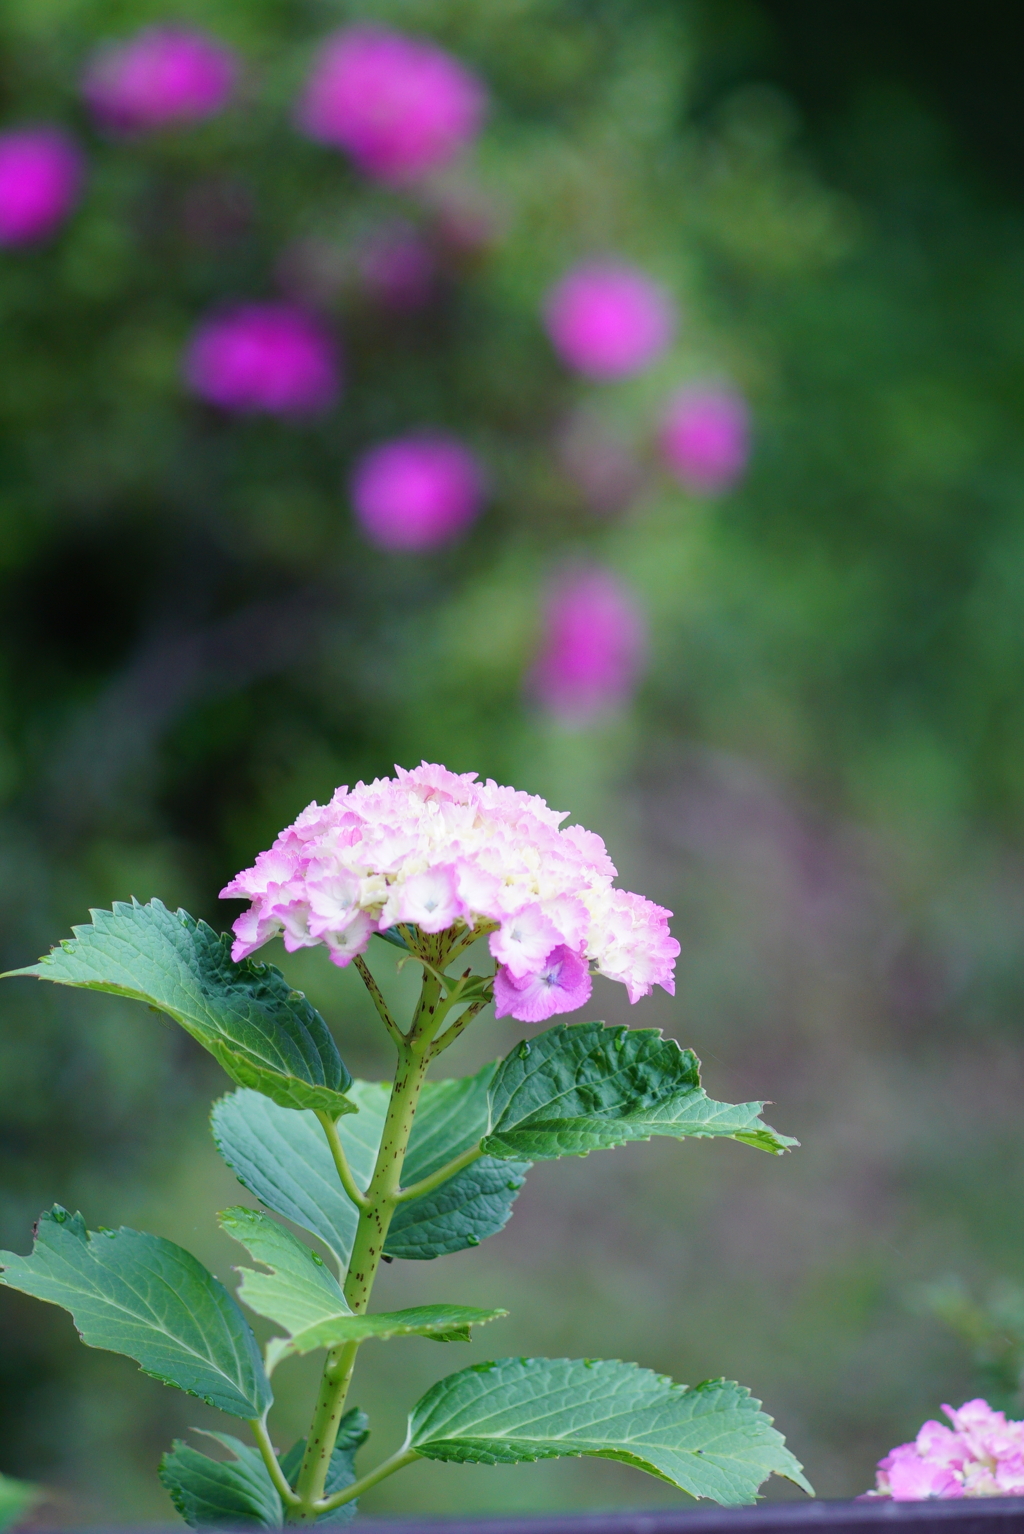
[(561, 985), (909, 1478)]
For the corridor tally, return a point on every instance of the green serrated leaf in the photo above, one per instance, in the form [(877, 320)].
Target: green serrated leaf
[(300, 1290), (16, 1498), (711, 1441), (208, 1493), (265, 1035), (283, 1158), (304, 1298), (342, 1470), (584, 1086), (133, 1293)]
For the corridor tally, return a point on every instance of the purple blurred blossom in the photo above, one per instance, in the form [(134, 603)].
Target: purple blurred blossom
[(705, 438), (396, 266), (41, 175), (593, 648), (417, 492), (400, 106), (269, 357), (161, 76), (607, 320)]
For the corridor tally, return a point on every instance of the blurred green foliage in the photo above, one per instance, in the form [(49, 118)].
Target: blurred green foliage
[(822, 774)]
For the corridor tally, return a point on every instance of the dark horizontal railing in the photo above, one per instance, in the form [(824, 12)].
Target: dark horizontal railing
[(989, 1515)]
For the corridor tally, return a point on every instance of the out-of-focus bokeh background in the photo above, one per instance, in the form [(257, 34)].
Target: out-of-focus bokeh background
[(777, 661)]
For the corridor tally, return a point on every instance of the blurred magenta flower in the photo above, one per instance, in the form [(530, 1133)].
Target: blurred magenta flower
[(416, 492), (161, 76), (269, 357), (396, 266), (399, 105), (41, 175), (607, 320), (705, 439), (593, 647)]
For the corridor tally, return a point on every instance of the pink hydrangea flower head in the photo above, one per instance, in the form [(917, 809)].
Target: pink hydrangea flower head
[(593, 647), (607, 320), (396, 266), (269, 357), (434, 851), (705, 439), (981, 1455), (400, 106), (161, 77), (416, 492), (41, 175)]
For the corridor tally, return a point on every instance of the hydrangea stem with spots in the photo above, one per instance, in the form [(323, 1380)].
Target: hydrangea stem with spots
[(383, 1195)]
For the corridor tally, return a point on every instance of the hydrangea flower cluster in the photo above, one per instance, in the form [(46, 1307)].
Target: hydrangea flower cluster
[(607, 320), (268, 357), (400, 106), (436, 850), (593, 646), (162, 76), (416, 492), (981, 1455), (705, 439), (41, 174)]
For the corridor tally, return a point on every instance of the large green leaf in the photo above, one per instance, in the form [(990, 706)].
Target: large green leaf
[(265, 1035), (236, 1493), (584, 1086), (283, 1158), (342, 1470), (141, 1295), (711, 1441), (303, 1297), (16, 1497)]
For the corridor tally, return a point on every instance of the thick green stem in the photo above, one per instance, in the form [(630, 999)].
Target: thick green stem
[(375, 1213)]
